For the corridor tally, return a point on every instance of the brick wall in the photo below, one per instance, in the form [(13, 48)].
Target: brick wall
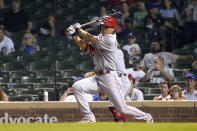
[(179, 111)]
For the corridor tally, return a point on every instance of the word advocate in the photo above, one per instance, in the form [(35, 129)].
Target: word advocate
[(44, 119)]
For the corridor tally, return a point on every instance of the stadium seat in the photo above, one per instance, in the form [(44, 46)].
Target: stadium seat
[(65, 65), (149, 97), (5, 74), (15, 66), (154, 91), (40, 65), (23, 86), (24, 98), (4, 80), (146, 84), (37, 80)]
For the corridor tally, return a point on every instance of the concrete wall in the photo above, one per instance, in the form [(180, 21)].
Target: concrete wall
[(46, 112)]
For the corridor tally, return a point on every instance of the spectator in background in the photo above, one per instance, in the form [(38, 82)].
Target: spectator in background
[(95, 28), (154, 14), (190, 93), (29, 44), (16, 19), (118, 3), (165, 91), (190, 18), (176, 93), (101, 97), (136, 71), (132, 48), (68, 95), (159, 73), (140, 15), (169, 58), (169, 13), (125, 13), (154, 33), (129, 27), (6, 43), (171, 18), (47, 28), (3, 96), (2, 4), (134, 94)]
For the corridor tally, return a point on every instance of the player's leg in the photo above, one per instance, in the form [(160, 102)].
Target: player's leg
[(112, 87), (125, 89), (87, 85)]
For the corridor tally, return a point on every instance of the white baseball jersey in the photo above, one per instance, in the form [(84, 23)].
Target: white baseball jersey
[(8, 44), (105, 58), (105, 55)]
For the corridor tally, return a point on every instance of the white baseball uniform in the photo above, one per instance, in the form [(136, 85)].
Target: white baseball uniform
[(107, 80)]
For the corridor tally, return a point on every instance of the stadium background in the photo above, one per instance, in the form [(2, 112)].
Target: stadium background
[(60, 61)]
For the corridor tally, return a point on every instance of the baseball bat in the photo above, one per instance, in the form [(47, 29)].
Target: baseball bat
[(98, 20)]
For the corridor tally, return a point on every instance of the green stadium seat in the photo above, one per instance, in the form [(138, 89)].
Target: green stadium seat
[(65, 65), (154, 91), (40, 65), (23, 86), (24, 98), (37, 80), (5, 75), (146, 84), (149, 97), (4, 80), (15, 66)]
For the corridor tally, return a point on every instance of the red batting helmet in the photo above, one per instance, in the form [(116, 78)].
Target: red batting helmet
[(109, 21)]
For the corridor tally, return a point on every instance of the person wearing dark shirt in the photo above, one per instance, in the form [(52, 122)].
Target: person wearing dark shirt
[(47, 28), (154, 33), (16, 19), (153, 9)]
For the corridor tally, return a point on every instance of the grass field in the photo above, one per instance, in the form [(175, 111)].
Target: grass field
[(101, 127)]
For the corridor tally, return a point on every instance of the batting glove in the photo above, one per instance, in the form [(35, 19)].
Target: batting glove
[(77, 26), (72, 30)]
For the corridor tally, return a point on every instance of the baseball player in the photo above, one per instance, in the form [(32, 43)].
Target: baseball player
[(103, 48)]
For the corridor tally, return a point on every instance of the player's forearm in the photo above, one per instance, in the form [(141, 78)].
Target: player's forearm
[(79, 42), (86, 36)]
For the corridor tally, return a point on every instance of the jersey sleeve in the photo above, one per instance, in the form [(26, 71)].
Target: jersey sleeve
[(104, 42)]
